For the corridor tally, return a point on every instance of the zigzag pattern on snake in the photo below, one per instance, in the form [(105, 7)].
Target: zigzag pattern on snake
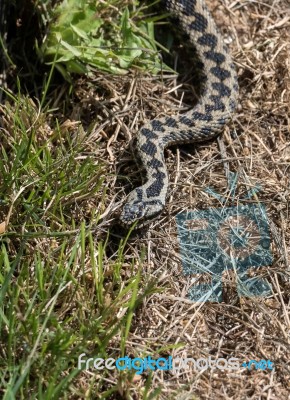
[(203, 122)]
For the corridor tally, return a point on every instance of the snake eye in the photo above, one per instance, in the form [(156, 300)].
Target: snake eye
[(137, 209)]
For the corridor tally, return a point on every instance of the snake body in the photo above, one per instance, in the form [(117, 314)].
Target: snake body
[(203, 122)]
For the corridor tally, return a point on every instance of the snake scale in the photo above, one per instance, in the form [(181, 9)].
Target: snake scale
[(203, 122)]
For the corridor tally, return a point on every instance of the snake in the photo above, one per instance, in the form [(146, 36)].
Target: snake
[(205, 121)]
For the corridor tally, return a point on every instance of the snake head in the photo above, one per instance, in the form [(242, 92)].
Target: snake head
[(133, 211), (138, 210)]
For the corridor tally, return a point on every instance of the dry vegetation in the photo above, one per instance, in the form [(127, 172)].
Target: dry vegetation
[(256, 145)]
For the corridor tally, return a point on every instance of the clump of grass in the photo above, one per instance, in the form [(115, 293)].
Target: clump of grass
[(61, 295), (110, 36), (39, 164)]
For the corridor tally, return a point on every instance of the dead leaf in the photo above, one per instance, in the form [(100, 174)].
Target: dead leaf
[(2, 227)]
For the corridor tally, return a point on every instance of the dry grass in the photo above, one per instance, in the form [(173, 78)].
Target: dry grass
[(257, 146)]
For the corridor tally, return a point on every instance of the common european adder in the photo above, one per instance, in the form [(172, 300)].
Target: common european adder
[(203, 122)]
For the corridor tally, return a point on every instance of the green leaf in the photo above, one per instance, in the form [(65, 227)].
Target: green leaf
[(88, 35), (82, 34)]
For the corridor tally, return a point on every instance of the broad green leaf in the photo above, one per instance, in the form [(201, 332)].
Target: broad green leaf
[(82, 34), (74, 50)]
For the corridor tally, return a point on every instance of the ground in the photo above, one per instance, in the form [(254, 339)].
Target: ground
[(138, 286)]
